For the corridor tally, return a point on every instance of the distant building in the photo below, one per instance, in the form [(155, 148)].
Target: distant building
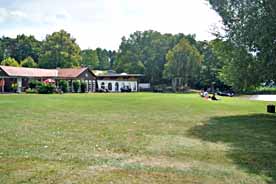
[(95, 80), (116, 82), (144, 86)]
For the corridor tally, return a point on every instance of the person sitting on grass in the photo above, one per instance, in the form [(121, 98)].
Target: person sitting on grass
[(205, 95), (214, 97)]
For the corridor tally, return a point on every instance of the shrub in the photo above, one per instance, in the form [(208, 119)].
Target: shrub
[(10, 62), (64, 86), (46, 89), (33, 84), (14, 87), (83, 87), (29, 62), (262, 90), (31, 91), (76, 86)]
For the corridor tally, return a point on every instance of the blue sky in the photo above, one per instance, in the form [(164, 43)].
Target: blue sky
[(102, 23)]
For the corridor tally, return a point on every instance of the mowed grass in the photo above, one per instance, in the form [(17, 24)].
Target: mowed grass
[(135, 138)]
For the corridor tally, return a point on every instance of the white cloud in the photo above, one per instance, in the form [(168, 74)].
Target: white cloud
[(102, 23), (13, 15)]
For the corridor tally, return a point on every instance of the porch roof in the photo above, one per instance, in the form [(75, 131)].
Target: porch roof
[(102, 73)]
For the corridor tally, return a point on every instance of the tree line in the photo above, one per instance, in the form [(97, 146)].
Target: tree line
[(58, 50), (181, 61), (176, 60), (164, 59)]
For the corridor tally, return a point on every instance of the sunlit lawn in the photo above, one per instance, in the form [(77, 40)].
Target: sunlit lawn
[(135, 138)]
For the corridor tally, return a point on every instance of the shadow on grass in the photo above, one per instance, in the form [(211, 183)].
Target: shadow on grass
[(252, 139)]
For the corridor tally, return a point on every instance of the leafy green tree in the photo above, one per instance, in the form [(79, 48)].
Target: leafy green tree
[(130, 67), (251, 25), (59, 50), (240, 69), (28, 62), (90, 59), (10, 62), (183, 63), (7, 47), (27, 46), (113, 56), (20, 47), (210, 67), (104, 59), (145, 52)]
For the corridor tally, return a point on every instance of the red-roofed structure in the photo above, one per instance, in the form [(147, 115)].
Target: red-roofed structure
[(21, 76), (107, 81), (11, 71), (71, 73)]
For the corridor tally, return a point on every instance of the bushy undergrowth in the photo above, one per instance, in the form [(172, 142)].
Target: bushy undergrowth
[(46, 89), (76, 86), (64, 86), (263, 90)]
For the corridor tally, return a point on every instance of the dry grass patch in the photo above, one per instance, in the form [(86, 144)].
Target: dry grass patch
[(159, 162)]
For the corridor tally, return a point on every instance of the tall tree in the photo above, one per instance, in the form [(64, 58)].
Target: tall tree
[(112, 55), (210, 67), (7, 47), (145, 52), (27, 46), (251, 24), (59, 50), (104, 59), (183, 63), (240, 68), (89, 58), (19, 48)]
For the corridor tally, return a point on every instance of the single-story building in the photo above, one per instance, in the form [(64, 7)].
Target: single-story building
[(116, 82), (21, 76), (95, 80)]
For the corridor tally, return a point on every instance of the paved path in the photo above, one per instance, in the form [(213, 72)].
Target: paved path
[(268, 98)]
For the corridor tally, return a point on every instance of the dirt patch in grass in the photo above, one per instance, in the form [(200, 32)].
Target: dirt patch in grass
[(159, 162), (100, 168)]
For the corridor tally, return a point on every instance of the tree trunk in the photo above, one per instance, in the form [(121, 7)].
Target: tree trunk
[(174, 84)]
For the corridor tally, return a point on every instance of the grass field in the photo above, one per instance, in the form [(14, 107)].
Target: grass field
[(135, 138)]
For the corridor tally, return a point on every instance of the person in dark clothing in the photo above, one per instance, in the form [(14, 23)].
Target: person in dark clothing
[(214, 97)]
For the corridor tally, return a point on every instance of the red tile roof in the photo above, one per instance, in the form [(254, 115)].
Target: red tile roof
[(28, 72), (43, 73), (70, 72)]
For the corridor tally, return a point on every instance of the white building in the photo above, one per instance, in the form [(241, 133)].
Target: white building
[(114, 82)]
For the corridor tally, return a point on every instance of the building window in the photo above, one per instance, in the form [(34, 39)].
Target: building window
[(110, 86), (116, 86), (102, 85)]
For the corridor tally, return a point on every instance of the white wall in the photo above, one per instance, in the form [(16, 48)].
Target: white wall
[(131, 84), (144, 86)]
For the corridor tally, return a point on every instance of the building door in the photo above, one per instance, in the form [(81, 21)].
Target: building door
[(116, 86), (103, 85), (109, 86)]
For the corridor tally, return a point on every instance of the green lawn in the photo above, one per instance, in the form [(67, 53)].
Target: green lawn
[(135, 138)]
